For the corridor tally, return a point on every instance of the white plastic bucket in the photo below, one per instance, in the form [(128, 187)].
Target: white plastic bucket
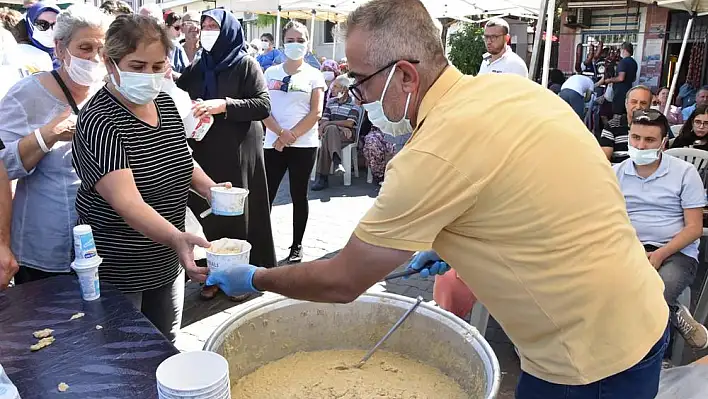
[(228, 252), (88, 278), (228, 201)]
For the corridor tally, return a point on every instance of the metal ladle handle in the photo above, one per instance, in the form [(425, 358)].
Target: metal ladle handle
[(391, 331)]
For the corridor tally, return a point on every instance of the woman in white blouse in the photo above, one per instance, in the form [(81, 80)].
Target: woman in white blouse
[(296, 93)]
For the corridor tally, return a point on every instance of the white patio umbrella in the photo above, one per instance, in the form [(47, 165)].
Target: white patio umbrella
[(697, 8)]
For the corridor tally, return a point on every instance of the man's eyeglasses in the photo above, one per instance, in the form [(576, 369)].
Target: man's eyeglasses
[(43, 25), (700, 124), (491, 38), (356, 92)]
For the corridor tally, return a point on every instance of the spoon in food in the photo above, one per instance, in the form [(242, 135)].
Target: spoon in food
[(385, 337)]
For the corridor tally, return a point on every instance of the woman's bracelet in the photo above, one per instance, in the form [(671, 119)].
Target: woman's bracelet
[(40, 141)]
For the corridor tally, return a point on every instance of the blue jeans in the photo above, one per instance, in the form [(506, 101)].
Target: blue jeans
[(641, 381), (678, 272), (575, 100)]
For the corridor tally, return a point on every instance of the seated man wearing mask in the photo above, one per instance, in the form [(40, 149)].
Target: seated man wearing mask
[(665, 200), (337, 130), (614, 136)]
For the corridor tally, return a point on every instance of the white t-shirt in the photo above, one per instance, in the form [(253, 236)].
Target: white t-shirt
[(19, 61), (291, 107), (579, 83), (508, 63)]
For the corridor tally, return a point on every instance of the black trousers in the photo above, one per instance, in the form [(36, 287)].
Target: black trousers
[(28, 274), (298, 162)]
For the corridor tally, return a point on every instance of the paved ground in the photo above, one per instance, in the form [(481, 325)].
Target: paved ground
[(333, 216)]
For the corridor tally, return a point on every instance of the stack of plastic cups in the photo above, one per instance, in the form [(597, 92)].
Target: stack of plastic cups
[(193, 375), (7, 389), (86, 262)]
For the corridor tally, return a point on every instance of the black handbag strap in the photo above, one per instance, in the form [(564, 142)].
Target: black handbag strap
[(66, 91)]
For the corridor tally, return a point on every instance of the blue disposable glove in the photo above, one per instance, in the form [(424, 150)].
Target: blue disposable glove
[(429, 264), (234, 280)]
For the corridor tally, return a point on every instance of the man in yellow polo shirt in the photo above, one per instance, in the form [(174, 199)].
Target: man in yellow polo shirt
[(506, 184)]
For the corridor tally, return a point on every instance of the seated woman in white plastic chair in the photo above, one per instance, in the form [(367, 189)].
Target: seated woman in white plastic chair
[(337, 130)]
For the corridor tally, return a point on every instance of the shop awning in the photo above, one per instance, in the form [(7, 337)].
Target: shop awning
[(697, 7)]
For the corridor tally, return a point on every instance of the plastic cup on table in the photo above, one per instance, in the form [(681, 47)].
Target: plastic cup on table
[(9, 391), (198, 374), (88, 278)]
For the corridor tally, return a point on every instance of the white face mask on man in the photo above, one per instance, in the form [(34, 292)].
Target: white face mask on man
[(644, 157), (379, 119)]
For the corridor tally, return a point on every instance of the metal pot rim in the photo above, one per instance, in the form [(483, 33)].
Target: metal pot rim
[(270, 299)]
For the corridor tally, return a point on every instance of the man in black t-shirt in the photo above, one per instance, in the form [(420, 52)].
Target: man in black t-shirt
[(615, 135), (626, 75)]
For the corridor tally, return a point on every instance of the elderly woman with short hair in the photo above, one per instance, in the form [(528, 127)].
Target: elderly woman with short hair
[(39, 114), (337, 129)]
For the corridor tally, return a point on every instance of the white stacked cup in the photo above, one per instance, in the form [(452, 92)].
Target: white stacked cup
[(86, 262), (193, 375)]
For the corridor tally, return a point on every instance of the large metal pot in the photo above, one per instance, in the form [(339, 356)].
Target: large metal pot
[(272, 327)]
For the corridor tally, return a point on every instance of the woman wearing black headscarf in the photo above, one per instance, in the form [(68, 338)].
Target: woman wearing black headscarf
[(233, 90)]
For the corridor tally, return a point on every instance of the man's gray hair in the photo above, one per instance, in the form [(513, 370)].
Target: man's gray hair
[(152, 10), (638, 87), (498, 22), (76, 17), (397, 30)]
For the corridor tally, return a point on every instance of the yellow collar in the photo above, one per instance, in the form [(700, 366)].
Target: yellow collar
[(442, 85)]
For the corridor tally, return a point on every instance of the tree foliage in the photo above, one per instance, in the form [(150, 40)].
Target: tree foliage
[(466, 49)]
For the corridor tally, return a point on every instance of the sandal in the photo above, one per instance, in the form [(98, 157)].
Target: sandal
[(209, 292)]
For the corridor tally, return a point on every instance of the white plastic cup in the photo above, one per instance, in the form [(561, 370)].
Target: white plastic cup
[(228, 201), (191, 374), (84, 245), (9, 391), (217, 259), (88, 278)]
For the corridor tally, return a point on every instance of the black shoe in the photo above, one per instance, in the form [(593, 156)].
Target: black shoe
[(321, 183), (295, 255)]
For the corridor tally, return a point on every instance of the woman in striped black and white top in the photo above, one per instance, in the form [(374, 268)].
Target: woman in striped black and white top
[(131, 154)]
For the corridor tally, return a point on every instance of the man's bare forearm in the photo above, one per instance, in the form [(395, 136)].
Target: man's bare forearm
[(312, 281)]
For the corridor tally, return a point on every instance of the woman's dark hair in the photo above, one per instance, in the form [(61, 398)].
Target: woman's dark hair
[(171, 18), (687, 134), (268, 37), (556, 76), (128, 31)]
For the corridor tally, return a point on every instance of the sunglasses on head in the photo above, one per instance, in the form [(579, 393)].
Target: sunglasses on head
[(650, 115), (43, 25)]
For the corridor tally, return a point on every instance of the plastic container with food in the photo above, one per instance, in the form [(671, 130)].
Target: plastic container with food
[(228, 201), (228, 252)]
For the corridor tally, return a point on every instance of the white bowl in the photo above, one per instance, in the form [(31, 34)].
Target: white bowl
[(228, 252), (228, 201), (191, 373)]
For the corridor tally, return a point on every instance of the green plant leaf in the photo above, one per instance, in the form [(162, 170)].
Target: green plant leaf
[(466, 49)]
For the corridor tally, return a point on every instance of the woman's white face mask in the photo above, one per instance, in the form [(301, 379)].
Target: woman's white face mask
[(82, 71)]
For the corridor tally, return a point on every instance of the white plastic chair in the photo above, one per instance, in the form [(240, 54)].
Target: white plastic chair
[(699, 158), (350, 156), (676, 129)]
